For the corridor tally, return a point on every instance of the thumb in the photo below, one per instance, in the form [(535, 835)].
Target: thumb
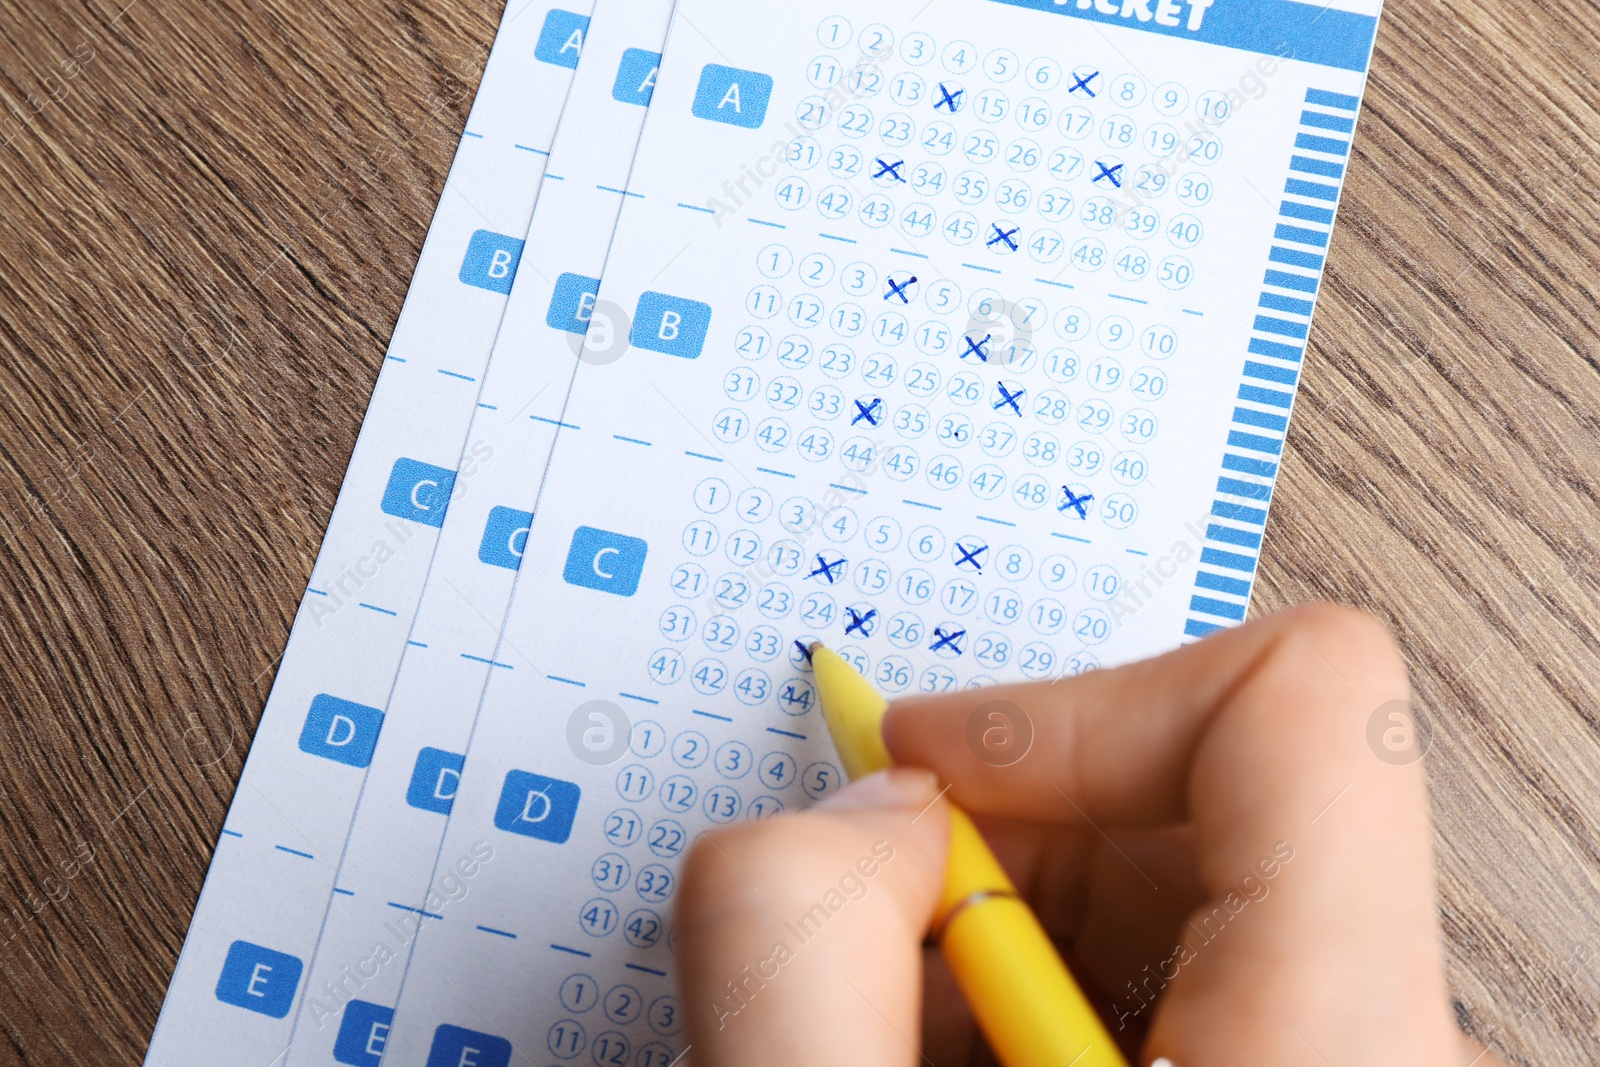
[(801, 936)]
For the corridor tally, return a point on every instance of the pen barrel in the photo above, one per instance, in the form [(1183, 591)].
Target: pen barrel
[(1021, 993)]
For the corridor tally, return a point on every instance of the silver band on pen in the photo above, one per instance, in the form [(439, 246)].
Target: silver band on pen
[(937, 934)]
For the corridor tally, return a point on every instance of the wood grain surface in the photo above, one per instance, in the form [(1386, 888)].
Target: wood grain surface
[(209, 213)]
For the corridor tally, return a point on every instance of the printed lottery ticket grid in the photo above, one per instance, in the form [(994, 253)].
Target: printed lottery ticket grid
[(637, 782)]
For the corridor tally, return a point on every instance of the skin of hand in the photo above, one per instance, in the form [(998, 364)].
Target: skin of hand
[(1231, 872)]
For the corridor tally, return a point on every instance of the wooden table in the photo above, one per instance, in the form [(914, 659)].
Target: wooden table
[(199, 269)]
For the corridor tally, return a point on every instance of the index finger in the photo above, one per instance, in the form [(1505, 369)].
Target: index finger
[(1274, 711)]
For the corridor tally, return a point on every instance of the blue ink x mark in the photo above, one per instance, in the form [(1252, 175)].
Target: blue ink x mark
[(1108, 172), (1002, 235), (891, 169), (867, 411), (976, 348), (970, 555), (947, 640), (1083, 83), (858, 623), (827, 570), (1008, 398), (947, 99), (900, 289), (1078, 503), (804, 651)]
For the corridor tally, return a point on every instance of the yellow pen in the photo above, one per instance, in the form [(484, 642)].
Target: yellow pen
[(1019, 990)]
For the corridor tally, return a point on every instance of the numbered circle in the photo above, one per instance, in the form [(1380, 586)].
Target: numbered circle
[(917, 49), (1043, 73), (1058, 573), (579, 993), (959, 57), (667, 838), (1175, 272), (876, 41), (566, 1039), (834, 31), (775, 261), (1170, 98)]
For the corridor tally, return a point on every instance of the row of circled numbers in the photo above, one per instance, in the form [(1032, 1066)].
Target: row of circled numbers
[(881, 384), (675, 784), (621, 1005), (762, 577), (931, 155)]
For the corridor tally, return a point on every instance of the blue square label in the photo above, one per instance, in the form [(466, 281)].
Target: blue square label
[(535, 806), (572, 303), (418, 491), (609, 562), (561, 43), (636, 77), (341, 730), (434, 780), (491, 261), (670, 324), (363, 1031), (728, 94), (259, 978), (505, 535), (456, 1046)]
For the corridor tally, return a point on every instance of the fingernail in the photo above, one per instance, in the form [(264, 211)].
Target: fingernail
[(1161, 1062), (898, 787)]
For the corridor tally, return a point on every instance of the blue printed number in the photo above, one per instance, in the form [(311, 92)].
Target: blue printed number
[(418, 491), (434, 780), (259, 978), (362, 1033), (572, 303), (491, 261), (341, 730), (504, 537), (456, 1046), (728, 94), (536, 806), (561, 43), (636, 77), (609, 562), (670, 324)]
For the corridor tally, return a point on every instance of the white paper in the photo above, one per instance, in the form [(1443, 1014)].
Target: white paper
[(384, 893), (239, 977)]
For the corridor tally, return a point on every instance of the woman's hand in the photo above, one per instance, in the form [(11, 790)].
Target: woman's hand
[(1232, 872)]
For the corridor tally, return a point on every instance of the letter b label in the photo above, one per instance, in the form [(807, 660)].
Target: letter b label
[(491, 261), (670, 324)]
